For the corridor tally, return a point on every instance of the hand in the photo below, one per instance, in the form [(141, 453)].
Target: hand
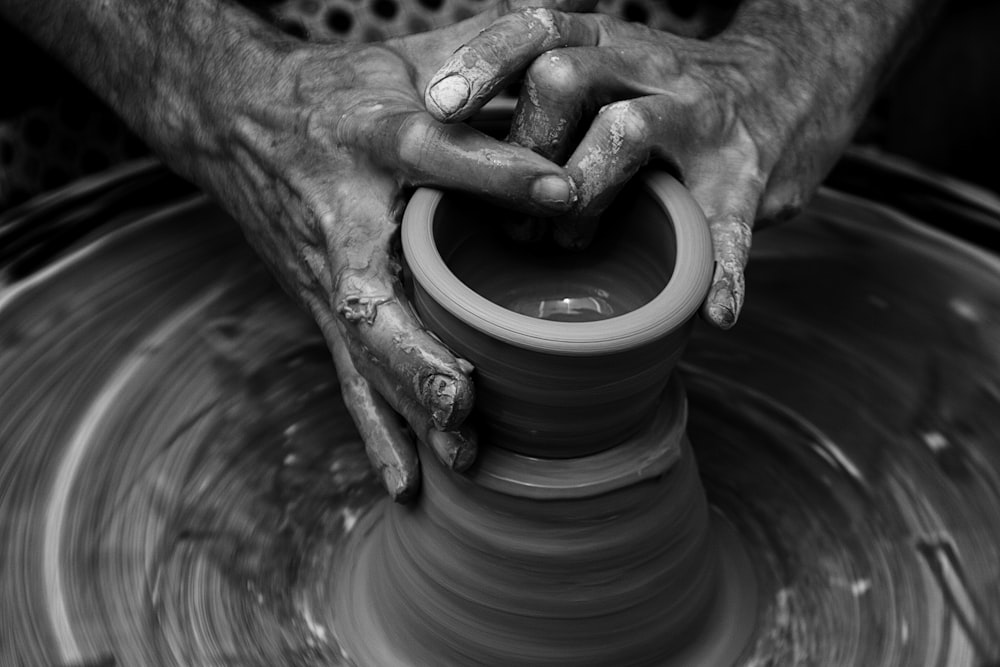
[(750, 128), (314, 152)]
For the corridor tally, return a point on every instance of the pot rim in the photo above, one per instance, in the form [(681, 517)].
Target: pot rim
[(666, 312)]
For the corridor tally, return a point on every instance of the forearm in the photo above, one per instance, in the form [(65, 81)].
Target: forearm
[(842, 51), (151, 60), (804, 75), (860, 38)]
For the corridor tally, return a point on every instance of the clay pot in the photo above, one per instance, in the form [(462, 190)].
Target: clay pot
[(539, 562), (572, 349), (581, 535)]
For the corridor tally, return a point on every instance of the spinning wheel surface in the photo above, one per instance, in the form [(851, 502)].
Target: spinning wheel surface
[(177, 470)]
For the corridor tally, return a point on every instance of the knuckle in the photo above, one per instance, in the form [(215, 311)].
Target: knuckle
[(349, 284), (540, 18), (627, 122), (356, 125), (732, 240), (357, 297), (354, 387), (413, 139), (557, 75), (537, 26)]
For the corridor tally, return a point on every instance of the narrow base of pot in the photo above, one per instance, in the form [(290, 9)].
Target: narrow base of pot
[(500, 573)]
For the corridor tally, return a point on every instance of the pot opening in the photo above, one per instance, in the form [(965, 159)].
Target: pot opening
[(629, 262)]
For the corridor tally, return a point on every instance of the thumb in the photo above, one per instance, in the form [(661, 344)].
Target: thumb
[(427, 51), (730, 220)]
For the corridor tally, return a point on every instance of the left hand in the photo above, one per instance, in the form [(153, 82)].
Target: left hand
[(750, 129)]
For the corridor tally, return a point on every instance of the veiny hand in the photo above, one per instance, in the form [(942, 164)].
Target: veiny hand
[(314, 151), (750, 128)]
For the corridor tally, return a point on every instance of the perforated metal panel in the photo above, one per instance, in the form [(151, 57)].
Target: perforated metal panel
[(374, 20)]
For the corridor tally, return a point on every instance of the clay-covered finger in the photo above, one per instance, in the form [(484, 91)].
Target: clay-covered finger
[(390, 448), (375, 318), (723, 176), (561, 90), (456, 448), (717, 161), (427, 50), (617, 144), (553, 99), (457, 157), (731, 236), (383, 329), (491, 60), (729, 195)]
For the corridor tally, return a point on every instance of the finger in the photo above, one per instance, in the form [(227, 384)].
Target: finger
[(617, 144), (554, 97), (390, 449), (377, 321), (427, 50), (723, 177), (561, 90), (455, 449), (564, 88), (382, 329), (721, 166), (730, 205), (376, 392), (426, 152), (491, 60)]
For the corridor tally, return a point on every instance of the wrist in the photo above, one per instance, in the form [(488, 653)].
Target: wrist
[(171, 69), (822, 59), (204, 77)]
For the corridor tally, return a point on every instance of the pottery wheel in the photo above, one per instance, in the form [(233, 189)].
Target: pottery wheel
[(177, 469)]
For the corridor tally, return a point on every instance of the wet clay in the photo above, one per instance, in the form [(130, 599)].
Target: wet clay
[(577, 538), (475, 572), (571, 349), (178, 475)]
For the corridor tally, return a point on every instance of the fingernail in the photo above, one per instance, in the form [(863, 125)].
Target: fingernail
[(395, 484), (552, 192), (722, 309), (465, 365), (450, 94), (440, 392), (453, 449)]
